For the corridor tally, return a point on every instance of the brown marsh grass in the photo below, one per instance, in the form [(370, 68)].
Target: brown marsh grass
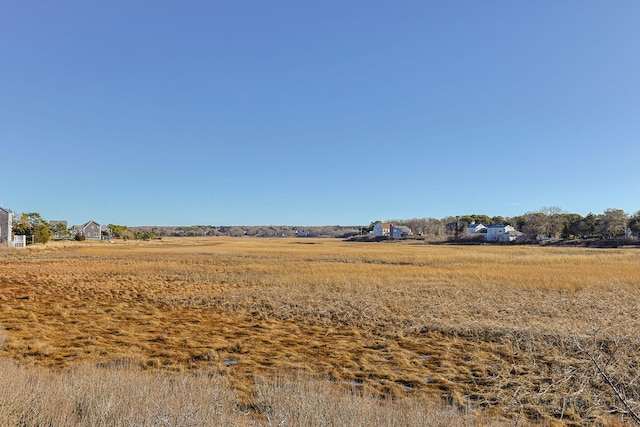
[(489, 329)]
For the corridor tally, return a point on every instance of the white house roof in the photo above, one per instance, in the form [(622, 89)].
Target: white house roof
[(475, 225)]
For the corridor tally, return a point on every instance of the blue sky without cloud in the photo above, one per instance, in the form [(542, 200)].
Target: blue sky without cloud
[(316, 113)]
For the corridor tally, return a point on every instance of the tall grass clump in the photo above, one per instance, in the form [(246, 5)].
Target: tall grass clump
[(90, 396), (124, 396)]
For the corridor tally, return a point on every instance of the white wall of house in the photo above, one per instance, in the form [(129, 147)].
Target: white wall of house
[(500, 233)]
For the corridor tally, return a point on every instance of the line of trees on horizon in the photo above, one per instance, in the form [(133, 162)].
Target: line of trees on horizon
[(548, 222)]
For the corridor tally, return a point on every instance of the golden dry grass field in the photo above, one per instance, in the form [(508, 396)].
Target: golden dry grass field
[(486, 328)]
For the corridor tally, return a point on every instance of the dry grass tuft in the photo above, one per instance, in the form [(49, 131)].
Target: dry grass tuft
[(120, 394)]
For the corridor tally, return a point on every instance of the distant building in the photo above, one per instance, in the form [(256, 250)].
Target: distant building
[(502, 233), (387, 229), (399, 231), (6, 227), (382, 229), (90, 230), (475, 228)]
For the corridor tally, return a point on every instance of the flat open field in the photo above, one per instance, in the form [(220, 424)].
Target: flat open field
[(487, 328)]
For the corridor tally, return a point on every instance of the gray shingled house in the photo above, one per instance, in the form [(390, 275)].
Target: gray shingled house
[(6, 225), (90, 230)]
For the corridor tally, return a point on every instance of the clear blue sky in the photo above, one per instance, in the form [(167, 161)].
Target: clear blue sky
[(317, 113)]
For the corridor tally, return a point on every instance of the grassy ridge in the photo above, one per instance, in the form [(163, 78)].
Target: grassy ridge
[(491, 328)]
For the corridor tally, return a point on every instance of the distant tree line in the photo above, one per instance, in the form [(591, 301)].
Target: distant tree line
[(252, 231), (546, 223), (125, 233)]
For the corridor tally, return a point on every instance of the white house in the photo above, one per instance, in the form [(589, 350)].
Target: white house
[(474, 228), (382, 229), (501, 233)]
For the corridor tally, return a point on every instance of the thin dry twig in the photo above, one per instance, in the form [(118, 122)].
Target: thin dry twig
[(609, 380)]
